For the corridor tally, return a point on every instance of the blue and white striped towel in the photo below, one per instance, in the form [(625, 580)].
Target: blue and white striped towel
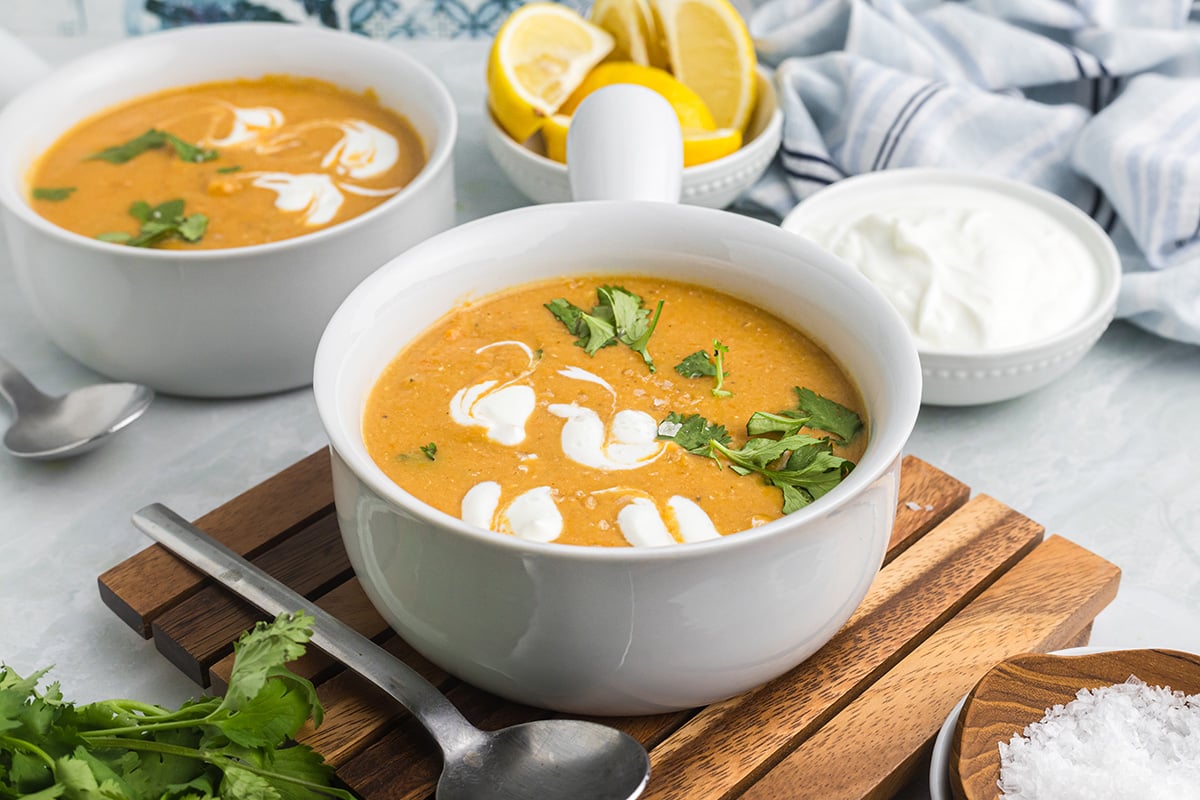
[(1095, 100)]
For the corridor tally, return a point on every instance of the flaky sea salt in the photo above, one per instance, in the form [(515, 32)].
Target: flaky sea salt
[(1124, 742)]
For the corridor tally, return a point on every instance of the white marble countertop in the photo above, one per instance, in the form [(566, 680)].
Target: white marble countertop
[(1108, 456)]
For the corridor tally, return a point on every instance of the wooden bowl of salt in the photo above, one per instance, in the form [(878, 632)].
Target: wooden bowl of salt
[(1028, 689)]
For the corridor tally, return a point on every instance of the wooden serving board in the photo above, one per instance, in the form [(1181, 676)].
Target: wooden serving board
[(967, 582)]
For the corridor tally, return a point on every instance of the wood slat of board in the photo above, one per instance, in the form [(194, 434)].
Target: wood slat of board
[(143, 586), (201, 629), (728, 745), (348, 603), (405, 763), (872, 747), (927, 496), (356, 712), (933, 486)]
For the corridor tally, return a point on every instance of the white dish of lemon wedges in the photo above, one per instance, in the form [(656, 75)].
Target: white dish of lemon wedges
[(546, 58)]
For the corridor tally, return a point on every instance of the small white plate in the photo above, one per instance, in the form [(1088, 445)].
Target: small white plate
[(939, 760)]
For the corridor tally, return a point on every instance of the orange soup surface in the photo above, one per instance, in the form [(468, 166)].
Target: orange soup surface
[(495, 415), (226, 164)]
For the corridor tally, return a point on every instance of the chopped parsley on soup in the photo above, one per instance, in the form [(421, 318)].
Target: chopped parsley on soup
[(614, 411), (226, 164)]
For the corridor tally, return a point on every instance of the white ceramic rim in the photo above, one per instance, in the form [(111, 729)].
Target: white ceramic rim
[(438, 154), (698, 173), (1090, 234), (939, 758), (342, 331)]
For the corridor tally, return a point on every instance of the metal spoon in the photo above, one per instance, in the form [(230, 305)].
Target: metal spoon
[(549, 759), (57, 427)]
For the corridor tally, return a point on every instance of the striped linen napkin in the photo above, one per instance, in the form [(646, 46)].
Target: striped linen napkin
[(1095, 100)]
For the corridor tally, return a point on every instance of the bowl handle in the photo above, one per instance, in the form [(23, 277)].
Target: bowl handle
[(624, 143)]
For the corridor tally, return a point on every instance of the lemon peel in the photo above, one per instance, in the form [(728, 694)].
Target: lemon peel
[(541, 53), (710, 50), (700, 146), (689, 107)]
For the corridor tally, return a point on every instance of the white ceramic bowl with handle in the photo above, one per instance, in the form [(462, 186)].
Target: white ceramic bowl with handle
[(617, 630), (213, 323)]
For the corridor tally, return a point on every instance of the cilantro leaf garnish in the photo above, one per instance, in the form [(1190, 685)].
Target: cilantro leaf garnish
[(693, 433), (430, 450), (699, 365), (809, 471), (190, 152), (229, 169), (696, 365), (593, 332), (127, 151), (54, 194), (151, 140), (803, 467), (158, 223), (618, 316), (236, 747), (812, 411)]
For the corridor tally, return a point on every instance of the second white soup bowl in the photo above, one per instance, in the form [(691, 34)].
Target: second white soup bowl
[(617, 630), (227, 322)]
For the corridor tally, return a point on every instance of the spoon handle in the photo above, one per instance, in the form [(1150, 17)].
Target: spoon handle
[(439, 716), (16, 388)]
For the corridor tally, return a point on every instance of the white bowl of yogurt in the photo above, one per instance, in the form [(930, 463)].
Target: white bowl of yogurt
[(1004, 286)]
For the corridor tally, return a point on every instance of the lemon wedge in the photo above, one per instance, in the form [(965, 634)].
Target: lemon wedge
[(554, 135), (540, 55), (700, 147), (634, 30), (688, 105), (710, 50)]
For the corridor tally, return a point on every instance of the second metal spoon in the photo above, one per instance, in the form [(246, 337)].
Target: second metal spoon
[(48, 427)]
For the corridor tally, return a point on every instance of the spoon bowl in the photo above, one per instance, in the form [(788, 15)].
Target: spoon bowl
[(1018, 691), (46, 427), (555, 759)]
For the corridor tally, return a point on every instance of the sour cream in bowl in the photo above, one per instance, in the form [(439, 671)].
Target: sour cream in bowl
[(1003, 286)]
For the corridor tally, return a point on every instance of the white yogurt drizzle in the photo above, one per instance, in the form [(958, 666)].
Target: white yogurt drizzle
[(532, 516), (249, 127), (500, 409), (314, 194), (363, 152), (629, 443)]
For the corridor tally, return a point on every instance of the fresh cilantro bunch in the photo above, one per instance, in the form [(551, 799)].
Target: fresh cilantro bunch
[(801, 466), (618, 316), (158, 223), (235, 747)]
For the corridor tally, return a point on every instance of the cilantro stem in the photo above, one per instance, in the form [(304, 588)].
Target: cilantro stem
[(146, 709), (30, 748), (149, 727)]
